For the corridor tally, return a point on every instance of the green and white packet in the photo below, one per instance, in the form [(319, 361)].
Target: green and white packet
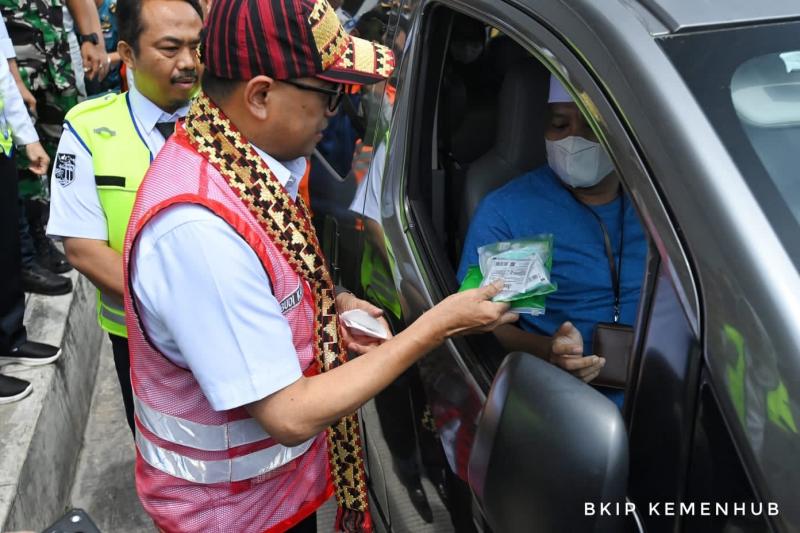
[(523, 264)]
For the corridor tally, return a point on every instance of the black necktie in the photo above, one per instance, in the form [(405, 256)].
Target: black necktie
[(166, 128)]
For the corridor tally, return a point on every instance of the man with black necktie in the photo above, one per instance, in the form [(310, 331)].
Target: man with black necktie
[(107, 146)]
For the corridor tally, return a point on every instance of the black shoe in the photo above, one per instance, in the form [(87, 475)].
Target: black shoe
[(38, 279), (47, 254), (31, 354), (13, 389), (51, 257)]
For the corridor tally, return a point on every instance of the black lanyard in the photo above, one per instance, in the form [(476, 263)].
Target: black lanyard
[(616, 271)]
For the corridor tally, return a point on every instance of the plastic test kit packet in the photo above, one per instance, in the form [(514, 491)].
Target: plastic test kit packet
[(523, 264)]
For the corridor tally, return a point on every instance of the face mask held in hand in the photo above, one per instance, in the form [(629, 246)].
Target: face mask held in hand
[(579, 163)]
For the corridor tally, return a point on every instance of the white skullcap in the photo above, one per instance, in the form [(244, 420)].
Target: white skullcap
[(558, 94)]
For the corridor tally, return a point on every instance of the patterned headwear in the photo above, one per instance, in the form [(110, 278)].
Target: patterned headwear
[(288, 39)]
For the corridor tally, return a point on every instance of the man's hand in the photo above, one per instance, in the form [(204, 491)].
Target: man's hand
[(38, 158), (470, 312), (354, 340), (566, 351), (95, 60)]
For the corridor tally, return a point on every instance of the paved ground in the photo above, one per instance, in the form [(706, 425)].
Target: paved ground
[(104, 484), (42, 435)]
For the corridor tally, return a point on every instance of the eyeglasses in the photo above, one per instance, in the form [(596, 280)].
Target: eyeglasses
[(334, 95)]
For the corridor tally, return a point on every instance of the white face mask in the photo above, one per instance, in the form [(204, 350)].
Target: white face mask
[(578, 162)]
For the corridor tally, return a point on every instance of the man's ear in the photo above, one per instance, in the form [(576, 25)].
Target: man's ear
[(127, 55), (257, 96)]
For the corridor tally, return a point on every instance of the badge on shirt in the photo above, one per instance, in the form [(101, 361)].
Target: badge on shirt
[(292, 300), (65, 169)]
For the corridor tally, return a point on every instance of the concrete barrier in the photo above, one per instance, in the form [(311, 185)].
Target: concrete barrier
[(41, 435)]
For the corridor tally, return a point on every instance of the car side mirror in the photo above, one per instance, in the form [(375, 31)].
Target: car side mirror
[(546, 445)]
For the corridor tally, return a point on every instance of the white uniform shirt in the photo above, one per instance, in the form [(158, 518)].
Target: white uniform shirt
[(6, 46), (206, 302), (75, 209), (15, 114)]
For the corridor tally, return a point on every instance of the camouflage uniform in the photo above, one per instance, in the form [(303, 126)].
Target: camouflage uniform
[(36, 28)]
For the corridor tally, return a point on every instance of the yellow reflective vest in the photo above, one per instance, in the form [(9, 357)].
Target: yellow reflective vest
[(120, 158)]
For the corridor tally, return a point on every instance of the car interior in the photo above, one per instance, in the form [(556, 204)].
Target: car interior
[(493, 98), (490, 117)]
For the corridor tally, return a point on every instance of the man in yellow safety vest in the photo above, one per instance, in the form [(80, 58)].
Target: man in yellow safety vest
[(107, 146)]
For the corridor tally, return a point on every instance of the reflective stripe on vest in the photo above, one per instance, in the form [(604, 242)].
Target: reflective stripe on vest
[(6, 142), (110, 317), (109, 310), (120, 159), (196, 435), (224, 471)]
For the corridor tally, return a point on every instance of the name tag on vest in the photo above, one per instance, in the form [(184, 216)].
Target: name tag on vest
[(293, 299)]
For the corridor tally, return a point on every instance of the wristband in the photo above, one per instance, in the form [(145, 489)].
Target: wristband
[(338, 289), (88, 38)]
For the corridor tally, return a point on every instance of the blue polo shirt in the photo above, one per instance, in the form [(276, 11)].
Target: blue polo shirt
[(537, 203)]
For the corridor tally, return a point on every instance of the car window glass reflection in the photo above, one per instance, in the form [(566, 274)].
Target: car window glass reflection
[(766, 96)]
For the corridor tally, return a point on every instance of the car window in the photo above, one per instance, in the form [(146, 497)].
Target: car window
[(390, 25), (751, 93), (342, 158), (376, 107), (488, 180), (765, 91)]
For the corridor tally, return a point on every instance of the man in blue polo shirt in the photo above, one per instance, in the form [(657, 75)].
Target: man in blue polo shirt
[(569, 197)]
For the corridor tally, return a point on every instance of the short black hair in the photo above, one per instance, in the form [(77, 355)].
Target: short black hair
[(218, 89), (129, 20)]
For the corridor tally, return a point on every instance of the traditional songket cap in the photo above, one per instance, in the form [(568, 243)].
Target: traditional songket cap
[(288, 39), (558, 94)]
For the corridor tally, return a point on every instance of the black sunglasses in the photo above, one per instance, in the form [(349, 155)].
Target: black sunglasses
[(334, 95)]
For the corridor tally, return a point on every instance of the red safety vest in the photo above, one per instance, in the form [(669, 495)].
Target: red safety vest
[(197, 469)]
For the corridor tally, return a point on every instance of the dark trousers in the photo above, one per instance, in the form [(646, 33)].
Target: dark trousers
[(122, 362), (12, 298), (26, 246), (308, 525)]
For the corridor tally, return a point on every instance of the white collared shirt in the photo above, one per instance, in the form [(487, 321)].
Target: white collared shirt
[(207, 305), (6, 46), (147, 115), (75, 209), (14, 114)]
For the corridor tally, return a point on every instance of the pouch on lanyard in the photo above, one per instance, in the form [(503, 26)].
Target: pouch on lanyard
[(613, 342)]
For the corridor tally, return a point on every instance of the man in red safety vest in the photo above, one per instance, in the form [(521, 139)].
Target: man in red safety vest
[(243, 394)]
